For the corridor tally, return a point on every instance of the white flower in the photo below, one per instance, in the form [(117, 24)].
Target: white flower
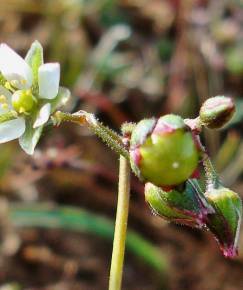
[(30, 93)]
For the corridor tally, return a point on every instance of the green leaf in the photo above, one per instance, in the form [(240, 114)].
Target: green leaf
[(30, 138), (61, 99), (35, 59)]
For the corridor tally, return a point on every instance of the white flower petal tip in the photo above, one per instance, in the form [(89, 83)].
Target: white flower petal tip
[(11, 130), (48, 79), (43, 116), (14, 68)]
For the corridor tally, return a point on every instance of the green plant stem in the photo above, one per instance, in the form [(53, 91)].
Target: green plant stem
[(108, 136), (114, 141), (119, 241)]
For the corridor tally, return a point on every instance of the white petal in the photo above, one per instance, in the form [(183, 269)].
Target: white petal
[(49, 78), (43, 115), (14, 68), (11, 130)]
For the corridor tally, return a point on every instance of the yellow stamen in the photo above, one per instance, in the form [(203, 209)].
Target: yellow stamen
[(3, 99), (14, 83), (23, 82), (9, 87)]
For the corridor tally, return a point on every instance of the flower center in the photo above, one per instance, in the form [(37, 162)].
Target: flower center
[(23, 101)]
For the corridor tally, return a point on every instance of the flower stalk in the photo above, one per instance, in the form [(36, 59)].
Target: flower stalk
[(108, 136), (119, 241), (114, 141)]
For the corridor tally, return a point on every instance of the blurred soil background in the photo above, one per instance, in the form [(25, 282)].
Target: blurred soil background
[(123, 60)]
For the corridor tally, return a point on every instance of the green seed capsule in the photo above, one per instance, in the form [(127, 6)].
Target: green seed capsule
[(216, 112), (225, 222), (163, 151), (23, 101)]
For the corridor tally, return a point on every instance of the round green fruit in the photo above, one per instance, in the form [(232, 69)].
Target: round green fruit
[(166, 153)]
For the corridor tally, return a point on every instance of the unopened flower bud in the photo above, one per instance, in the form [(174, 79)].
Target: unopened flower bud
[(163, 151), (225, 222), (216, 112), (187, 207)]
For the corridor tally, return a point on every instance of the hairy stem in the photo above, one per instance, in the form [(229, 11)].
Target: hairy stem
[(108, 136), (114, 141), (117, 260)]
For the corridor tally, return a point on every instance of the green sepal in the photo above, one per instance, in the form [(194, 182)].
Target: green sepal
[(139, 134), (187, 206), (173, 121), (225, 222), (30, 138), (60, 100), (35, 59), (141, 131)]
